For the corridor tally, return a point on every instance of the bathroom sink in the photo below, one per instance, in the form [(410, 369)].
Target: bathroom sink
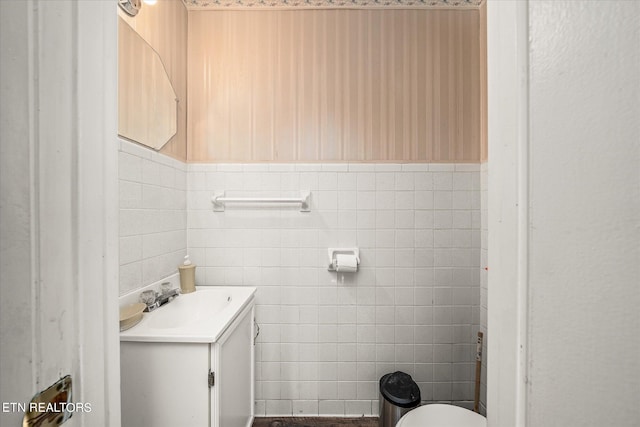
[(200, 316), (187, 309)]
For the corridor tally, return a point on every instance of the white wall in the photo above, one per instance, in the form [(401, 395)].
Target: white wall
[(153, 216), (413, 306), (564, 209), (16, 216), (58, 217), (584, 282)]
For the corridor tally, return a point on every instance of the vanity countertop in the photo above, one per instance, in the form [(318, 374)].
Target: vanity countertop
[(197, 317)]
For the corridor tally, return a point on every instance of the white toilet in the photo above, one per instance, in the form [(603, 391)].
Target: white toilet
[(439, 415)]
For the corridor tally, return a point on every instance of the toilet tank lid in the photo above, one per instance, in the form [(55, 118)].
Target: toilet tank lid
[(400, 389)]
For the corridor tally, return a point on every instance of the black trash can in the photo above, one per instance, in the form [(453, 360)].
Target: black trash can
[(398, 395)]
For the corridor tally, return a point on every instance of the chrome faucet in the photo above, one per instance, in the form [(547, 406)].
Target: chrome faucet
[(154, 300)]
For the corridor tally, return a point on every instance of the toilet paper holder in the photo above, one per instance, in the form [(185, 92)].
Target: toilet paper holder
[(333, 252)]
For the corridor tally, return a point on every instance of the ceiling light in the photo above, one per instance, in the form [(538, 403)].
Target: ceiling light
[(132, 7)]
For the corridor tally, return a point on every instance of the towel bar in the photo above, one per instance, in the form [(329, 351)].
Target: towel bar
[(219, 200)]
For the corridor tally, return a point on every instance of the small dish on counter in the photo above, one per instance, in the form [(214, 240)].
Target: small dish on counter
[(131, 315)]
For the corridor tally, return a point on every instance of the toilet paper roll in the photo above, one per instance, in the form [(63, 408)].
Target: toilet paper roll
[(346, 263)]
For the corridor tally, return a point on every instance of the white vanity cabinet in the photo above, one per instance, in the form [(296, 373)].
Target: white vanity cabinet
[(190, 383)]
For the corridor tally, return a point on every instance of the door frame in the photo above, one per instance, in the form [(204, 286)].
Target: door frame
[(508, 211), (60, 204)]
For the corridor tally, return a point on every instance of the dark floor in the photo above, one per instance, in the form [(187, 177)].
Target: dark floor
[(315, 422)]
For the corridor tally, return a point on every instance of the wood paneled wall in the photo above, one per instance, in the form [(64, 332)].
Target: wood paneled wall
[(164, 27), (336, 85), (484, 108)]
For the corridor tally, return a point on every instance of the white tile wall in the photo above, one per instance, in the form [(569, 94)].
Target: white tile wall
[(326, 338), (153, 215), (484, 186)]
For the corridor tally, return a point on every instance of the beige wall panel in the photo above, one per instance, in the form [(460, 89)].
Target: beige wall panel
[(335, 85), (164, 27), (483, 82), (283, 93)]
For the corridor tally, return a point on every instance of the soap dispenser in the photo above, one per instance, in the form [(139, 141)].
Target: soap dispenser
[(187, 276)]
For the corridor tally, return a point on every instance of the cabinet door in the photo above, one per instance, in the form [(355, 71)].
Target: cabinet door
[(164, 384), (234, 378)]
